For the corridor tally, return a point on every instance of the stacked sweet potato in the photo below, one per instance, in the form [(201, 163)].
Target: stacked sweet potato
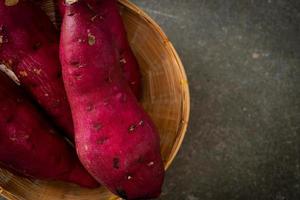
[(84, 85)]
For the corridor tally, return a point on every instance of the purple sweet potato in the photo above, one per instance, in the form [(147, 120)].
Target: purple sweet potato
[(29, 146), (115, 139), (29, 47), (107, 11)]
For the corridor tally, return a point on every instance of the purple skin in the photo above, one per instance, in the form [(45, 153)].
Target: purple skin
[(115, 139), (29, 146), (29, 47), (107, 11)]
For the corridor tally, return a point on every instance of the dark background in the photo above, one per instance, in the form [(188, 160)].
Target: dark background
[(242, 58)]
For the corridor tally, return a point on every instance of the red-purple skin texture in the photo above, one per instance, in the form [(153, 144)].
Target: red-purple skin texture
[(29, 146), (115, 139), (107, 11), (29, 46)]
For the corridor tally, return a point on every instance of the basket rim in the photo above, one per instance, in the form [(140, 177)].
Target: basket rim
[(7, 195), (185, 104)]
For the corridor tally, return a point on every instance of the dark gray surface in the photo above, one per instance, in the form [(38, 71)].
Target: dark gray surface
[(243, 64)]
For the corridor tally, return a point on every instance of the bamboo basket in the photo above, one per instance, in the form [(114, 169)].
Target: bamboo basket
[(165, 98)]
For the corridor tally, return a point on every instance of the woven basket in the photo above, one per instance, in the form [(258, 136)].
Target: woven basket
[(165, 98)]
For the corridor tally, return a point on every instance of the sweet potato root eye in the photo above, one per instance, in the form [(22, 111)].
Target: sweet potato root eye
[(70, 14), (116, 163), (36, 46), (131, 128), (102, 140), (97, 126), (91, 39)]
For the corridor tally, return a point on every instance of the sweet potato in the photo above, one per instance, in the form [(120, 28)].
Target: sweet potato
[(108, 12), (29, 146), (29, 47), (115, 139)]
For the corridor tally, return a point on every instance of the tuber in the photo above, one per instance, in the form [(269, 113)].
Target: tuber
[(107, 11), (29, 146), (115, 139), (29, 47)]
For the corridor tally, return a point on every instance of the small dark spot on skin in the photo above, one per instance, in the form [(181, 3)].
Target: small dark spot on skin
[(116, 163), (94, 18), (97, 126), (108, 79), (59, 74), (2, 29), (75, 63), (70, 14), (90, 7), (36, 46), (3, 36), (121, 192), (56, 103), (132, 128), (77, 76), (102, 140), (9, 119), (141, 159)]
